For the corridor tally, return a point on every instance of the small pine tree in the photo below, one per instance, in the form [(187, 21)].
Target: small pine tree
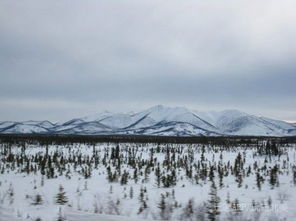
[(259, 180), (235, 207), (188, 211), (11, 194), (131, 192), (162, 206), (61, 197), (158, 176), (141, 195), (213, 203), (37, 200), (211, 173), (269, 201), (273, 176), (135, 177)]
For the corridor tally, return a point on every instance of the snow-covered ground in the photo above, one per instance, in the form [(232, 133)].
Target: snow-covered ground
[(80, 182)]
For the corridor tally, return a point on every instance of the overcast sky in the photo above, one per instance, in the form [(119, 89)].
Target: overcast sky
[(65, 59)]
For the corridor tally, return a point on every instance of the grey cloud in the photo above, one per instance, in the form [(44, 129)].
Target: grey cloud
[(73, 58)]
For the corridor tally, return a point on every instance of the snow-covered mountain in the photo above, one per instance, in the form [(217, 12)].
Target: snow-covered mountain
[(160, 120)]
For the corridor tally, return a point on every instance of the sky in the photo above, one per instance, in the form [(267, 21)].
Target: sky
[(64, 59)]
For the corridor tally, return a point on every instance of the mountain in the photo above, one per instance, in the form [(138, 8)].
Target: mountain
[(161, 121)]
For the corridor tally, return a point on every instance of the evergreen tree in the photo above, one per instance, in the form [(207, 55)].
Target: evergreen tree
[(259, 180), (143, 204), (211, 173), (235, 206), (273, 178), (188, 211), (10, 194), (37, 200), (163, 207), (158, 176), (61, 197), (131, 192), (213, 203)]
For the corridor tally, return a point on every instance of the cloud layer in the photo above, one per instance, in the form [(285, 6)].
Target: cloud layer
[(61, 59)]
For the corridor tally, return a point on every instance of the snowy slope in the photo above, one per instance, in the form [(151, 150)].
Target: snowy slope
[(162, 121), (83, 128), (23, 127), (172, 129), (177, 114), (238, 123)]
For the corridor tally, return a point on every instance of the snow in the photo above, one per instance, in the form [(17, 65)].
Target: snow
[(162, 113), (83, 193), (73, 215), (120, 120), (6, 124), (278, 124), (25, 128)]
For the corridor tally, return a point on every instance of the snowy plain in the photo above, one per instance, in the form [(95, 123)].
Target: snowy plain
[(133, 192)]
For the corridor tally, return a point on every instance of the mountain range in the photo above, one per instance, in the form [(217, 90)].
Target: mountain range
[(161, 121)]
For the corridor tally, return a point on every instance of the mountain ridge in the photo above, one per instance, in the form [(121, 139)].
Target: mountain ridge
[(160, 121)]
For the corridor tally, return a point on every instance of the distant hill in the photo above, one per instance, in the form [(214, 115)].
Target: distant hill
[(160, 121)]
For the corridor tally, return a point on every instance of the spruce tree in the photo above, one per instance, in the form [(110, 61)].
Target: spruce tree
[(188, 211), (61, 197), (163, 207), (37, 200), (131, 192), (158, 176), (213, 203), (273, 176)]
